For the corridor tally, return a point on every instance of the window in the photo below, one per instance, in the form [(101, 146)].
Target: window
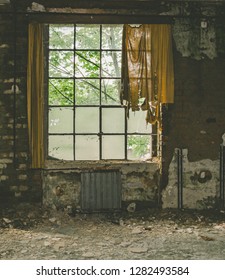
[(86, 120)]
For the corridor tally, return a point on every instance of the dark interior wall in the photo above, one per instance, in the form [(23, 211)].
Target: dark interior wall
[(197, 116), (196, 121), (17, 182)]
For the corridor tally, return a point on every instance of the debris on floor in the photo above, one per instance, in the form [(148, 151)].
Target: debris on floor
[(32, 232)]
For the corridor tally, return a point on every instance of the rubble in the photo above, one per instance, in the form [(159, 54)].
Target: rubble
[(37, 233)]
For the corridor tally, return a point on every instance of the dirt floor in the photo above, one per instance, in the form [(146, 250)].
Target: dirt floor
[(31, 232)]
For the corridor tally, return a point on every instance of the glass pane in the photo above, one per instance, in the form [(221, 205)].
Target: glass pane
[(113, 120), (87, 64), (61, 147), (112, 36), (86, 147), (138, 147), (87, 120), (61, 63), (87, 92), (111, 64), (111, 91), (137, 123), (88, 37), (60, 120), (61, 37), (113, 147), (60, 92)]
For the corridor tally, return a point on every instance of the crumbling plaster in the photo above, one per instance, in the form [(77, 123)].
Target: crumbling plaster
[(200, 184), (62, 187), (194, 29), (198, 33)]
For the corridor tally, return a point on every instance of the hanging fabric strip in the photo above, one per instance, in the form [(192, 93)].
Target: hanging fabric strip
[(35, 104), (147, 68), (136, 70)]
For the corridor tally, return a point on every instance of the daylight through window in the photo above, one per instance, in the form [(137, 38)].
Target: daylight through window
[(86, 120)]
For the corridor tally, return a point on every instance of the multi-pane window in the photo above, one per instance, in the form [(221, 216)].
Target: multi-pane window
[(86, 120)]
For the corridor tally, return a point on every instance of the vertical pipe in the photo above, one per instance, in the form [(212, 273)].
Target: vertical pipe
[(223, 172), (180, 178), (14, 79), (222, 167)]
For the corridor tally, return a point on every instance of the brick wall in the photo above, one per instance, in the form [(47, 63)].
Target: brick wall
[(196, 121), (17, 182)]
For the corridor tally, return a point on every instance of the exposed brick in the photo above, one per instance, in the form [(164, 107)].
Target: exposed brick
[(23, 188), (199, 94), (5, 160), (18, 194), (3, 178), (22, 177)]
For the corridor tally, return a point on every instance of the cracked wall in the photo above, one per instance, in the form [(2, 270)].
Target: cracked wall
[(195, 121), (62, 188), (201, 184)]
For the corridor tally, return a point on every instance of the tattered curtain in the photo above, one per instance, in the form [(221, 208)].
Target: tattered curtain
[(35, 102), (147, 68)]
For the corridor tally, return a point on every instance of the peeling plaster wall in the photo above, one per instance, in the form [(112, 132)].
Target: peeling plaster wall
[(195, 121), (62, 188), (200, 184), (195, 38)]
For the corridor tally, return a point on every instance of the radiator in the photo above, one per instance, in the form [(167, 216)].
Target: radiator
[(100, 190)]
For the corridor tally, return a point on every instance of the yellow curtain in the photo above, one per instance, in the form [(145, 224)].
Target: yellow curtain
[(147, 70), (136, 71), (35, 100)]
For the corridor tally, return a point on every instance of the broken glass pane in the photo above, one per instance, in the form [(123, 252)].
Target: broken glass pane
[(111, 91), (113, 120), (87, 92), (88, 36), (61, 146), (138, 147), (86, 147), (61, 64), (112, 36), (87, 120), (60, 120), (113, 147), (136, 122), (61, 37), (87, 64), (60, 92), (111, 64)]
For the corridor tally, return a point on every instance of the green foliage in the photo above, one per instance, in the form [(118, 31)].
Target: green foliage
[(74, 73), (139, 144), (84, 65), (61, 92)]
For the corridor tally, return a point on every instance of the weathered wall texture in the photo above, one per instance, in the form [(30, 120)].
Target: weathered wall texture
[(196, 121), (200, 184), (139, 184), (15, 180)]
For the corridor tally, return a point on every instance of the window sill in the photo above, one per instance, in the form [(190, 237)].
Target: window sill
[(97, 165)]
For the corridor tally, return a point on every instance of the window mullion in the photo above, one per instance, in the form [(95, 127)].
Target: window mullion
[(46, 101), (125, 120), (100, 97), (74, 92)]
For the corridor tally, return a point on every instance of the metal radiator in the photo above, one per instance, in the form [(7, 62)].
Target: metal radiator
[(100, 190)]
